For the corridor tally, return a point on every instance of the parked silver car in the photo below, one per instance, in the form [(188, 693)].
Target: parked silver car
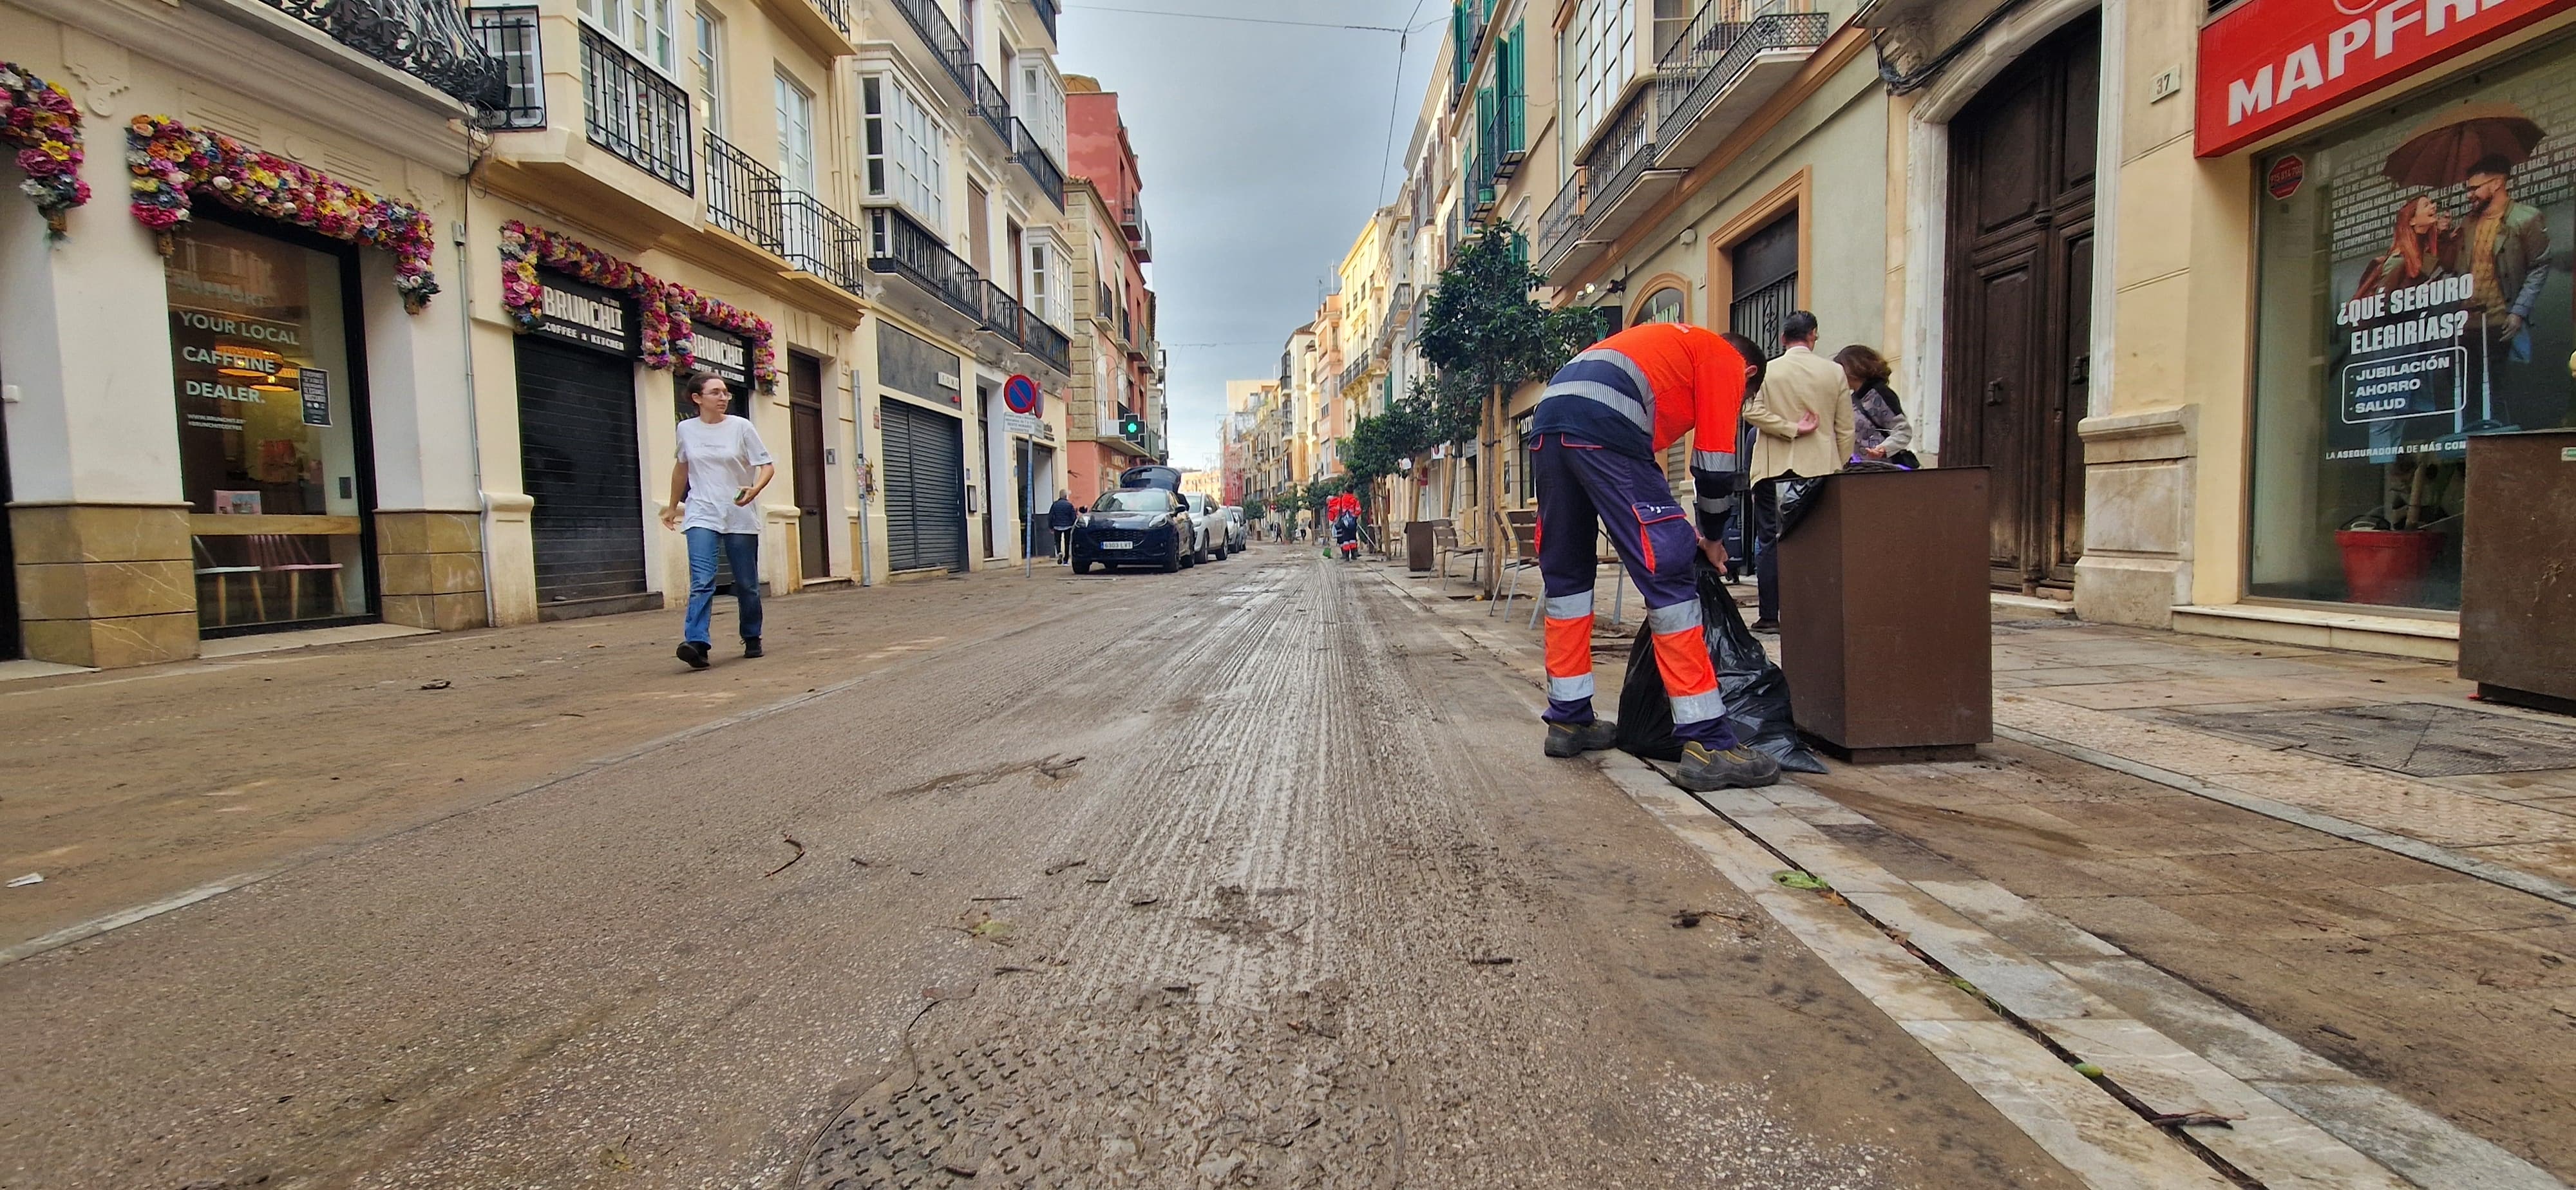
[(1238, 531), (1208, 524)]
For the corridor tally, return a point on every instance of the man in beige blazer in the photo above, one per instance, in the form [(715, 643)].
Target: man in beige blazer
[(1802, 418)]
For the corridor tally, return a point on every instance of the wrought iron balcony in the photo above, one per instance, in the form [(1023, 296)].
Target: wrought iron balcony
[(954, 55), (510, 36), (818, 240), (1046, 14), (900, 247), (835, 11), (742, 195), (632, 111), (1013, 321), (1041, 165), (1621, 155), (987, 102), (1730, 58), (429, 40), (1561, 224), (1131, 220)]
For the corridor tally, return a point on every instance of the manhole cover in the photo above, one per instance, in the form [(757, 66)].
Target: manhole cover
[(2420, 739)]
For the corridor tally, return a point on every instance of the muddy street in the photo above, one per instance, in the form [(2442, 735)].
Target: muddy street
[(1245, 876)]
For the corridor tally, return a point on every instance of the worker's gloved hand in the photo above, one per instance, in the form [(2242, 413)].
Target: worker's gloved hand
[(1714, 550)]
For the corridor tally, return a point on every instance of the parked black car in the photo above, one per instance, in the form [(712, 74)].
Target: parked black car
[(1142, 526)]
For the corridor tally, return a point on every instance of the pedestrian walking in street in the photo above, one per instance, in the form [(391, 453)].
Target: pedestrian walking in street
[(1879, 425), (1598, 430), (1061, 518), (1804, 417), (719, 471)]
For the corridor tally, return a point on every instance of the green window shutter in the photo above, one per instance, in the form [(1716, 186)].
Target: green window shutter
[(1515, 91)]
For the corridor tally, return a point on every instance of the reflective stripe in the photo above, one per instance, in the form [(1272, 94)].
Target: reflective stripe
[(1636, 375), (1697, 708), (1567, 607), (1717, 505), (1627, 407), (1679, 617), (1576, 689), (1713, 460)]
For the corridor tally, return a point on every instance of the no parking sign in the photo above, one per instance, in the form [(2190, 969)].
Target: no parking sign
[(1021, 394)]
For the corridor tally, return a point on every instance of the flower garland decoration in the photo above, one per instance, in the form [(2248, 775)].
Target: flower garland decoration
[(523, 248), (670, 311), (174, 164), (753, 328), (43, 122)]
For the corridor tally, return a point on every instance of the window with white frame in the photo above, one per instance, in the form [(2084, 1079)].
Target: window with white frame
[(906, 151), (707, 53), (1046, 279), (1600, 47), (795, 134), (648, 27), (1041, 103)]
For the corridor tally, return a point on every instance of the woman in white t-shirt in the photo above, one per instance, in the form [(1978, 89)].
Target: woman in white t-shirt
[(720, 469)]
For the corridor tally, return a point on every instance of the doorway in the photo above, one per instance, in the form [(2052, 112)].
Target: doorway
[(2019, 311), (8, 558), (984, 451), (805, 450)]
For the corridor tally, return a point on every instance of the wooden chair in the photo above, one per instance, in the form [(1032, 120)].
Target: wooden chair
[(1524, 527)]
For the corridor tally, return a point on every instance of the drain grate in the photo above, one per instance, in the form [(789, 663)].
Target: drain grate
[(2419, 739)]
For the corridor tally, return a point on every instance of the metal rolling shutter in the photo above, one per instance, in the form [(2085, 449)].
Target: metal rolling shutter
[(577, 457), (925, 489)]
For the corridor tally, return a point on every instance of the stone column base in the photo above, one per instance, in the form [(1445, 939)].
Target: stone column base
[(2138, 592), (431, 565), (105, 585)]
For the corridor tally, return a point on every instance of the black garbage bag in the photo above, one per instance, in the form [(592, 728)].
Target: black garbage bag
[(1757, 693)]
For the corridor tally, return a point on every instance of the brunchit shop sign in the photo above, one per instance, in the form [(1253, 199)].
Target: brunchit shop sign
[(2268, 64)]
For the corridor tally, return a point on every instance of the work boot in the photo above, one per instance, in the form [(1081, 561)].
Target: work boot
[(1575, 739), (1738, 767), (693, 653), (751, 646)]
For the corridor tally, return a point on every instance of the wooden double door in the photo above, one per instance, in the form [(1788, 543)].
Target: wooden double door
[(2019, 324)]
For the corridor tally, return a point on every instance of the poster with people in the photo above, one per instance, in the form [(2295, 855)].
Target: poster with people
[(2450, 287)]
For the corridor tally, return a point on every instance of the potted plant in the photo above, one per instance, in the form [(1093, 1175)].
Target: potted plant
[(2385, 555)]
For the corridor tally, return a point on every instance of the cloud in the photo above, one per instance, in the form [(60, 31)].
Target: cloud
[(1261, 148)]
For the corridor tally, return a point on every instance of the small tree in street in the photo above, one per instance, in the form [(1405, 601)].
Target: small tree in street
[(1484, 337)]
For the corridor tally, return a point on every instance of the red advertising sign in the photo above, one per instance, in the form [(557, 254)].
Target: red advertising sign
[(2268, 64)]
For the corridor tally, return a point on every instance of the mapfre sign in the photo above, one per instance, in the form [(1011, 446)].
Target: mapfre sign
[(2268, 64)]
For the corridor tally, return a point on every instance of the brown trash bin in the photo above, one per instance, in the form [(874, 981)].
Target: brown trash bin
[(1418, 556), (1884, 625), (2518, 569)]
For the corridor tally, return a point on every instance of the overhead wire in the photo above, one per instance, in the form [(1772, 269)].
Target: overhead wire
[(1210, 16)]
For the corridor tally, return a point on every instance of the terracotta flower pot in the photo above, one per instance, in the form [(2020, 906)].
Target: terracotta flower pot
[(2386, 566)]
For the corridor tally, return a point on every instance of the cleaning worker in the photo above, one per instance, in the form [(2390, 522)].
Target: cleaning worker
[(1598, 430)]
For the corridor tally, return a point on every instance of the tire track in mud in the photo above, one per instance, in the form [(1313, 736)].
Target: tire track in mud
[(1303, 1005)]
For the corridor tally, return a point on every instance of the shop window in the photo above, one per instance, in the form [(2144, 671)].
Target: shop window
[(2410, 297), (271, 411)]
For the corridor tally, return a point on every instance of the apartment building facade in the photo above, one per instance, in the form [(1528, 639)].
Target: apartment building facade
[(1118, 419), (2083, 233), (432, 291)]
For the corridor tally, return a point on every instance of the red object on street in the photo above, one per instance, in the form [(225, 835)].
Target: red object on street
[(2266, 65), (2385, 566)]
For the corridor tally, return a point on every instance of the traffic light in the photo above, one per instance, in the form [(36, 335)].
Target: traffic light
[(1131, 426)]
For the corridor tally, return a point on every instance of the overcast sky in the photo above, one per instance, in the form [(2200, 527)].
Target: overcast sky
[(1261, 148)]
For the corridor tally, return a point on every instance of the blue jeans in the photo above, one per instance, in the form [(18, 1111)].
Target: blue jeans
[(742, 555)]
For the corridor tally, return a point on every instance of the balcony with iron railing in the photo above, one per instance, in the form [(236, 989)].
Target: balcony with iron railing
[(1560, 226), (1131, 220), (902, 248), (946, 45), (1046, 14), (634, 112), (752, 201), (986, 101), (510, 36), (1621, 174), (430, 40), (1734, 55), (1104, 305), (1039, 163)]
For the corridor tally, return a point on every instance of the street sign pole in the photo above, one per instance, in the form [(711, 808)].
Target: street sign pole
[(1028, 520)]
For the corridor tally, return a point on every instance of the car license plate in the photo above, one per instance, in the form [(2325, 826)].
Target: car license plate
[(1117, 545)]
